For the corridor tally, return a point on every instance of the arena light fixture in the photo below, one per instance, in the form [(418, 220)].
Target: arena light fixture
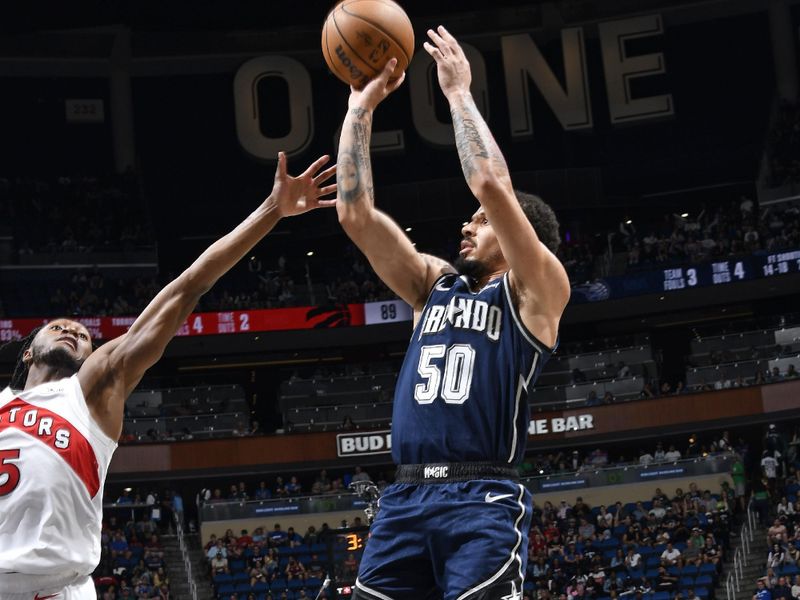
[(310, 253), (685, 215), (408, 228)]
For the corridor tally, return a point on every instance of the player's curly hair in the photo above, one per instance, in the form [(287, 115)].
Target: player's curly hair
[(542, 217), (20, 375)]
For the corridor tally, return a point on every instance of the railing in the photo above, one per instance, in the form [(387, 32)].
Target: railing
[(187, 563), (733, 583)]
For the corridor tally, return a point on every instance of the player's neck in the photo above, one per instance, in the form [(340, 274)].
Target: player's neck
[(39, 374), (486, 279)]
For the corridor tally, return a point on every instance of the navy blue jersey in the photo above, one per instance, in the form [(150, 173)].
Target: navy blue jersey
[(461, 395)]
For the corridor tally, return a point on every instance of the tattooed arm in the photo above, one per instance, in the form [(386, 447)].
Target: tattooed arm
[(538, 279), (393, 257)]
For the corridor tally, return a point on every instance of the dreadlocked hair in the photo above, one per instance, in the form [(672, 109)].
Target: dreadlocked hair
[(20, 375)]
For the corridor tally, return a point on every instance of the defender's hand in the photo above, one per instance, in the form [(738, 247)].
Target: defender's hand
[(296, 195), (452, 65), (377, 89)]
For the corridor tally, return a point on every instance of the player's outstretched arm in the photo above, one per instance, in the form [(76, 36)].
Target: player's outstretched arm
[(536, 273), (392, 255), (111, 373)]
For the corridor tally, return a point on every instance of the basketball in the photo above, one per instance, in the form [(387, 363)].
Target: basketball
[(360, 36)]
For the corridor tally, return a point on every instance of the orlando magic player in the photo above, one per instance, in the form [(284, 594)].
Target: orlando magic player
[(454, 524), (61, 415)]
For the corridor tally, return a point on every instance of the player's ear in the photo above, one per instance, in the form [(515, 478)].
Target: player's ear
[(27, 356)]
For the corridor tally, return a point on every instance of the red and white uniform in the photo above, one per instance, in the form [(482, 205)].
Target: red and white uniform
[(53, 464)]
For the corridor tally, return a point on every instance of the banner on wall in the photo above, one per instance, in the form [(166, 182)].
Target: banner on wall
[(239, 321)]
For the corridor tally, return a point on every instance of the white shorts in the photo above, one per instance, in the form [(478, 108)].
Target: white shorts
[(83, 590)]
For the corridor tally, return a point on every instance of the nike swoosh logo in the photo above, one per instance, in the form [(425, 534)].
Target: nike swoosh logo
[(38, 597), (490, 498)]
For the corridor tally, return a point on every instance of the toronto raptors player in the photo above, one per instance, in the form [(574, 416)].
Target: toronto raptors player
[(58, 432)]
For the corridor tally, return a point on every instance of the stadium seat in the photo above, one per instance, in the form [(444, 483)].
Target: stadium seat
[(707, 569), (240, 577), (704, 580), (236, 565), (651, 573)]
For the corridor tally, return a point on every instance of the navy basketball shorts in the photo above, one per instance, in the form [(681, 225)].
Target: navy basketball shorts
[(464, 540)]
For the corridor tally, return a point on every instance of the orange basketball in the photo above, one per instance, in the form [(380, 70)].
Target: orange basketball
[(360, 36)]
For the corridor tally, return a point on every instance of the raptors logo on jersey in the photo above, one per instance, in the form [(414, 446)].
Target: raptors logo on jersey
[(53, 460), (462, 392)]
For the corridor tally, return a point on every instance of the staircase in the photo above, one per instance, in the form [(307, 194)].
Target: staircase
[(186, 566), (749, 552), (197, 558), (173, 557)]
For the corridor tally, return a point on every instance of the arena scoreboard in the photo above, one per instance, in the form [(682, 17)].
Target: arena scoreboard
[(728, 271)]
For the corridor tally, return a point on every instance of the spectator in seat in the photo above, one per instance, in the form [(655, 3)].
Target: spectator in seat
[(785, 508), (777, 534), (664, 581), (280, 488), (245, 539), (263, 492), (153, 547), (295, 569), (217, 549), (711, 552), (604, 518), (219, 564), (360, 475), (781, 590), (293, 488), (645, 458), (658, 455), (581, 509), (796, 587), (669, 557), (315, 567), (164, 594), (293, 539), (762, 592), (633, 560), (278, 537), (350, 565), (160, 578), (586, 530), (776, 557), (311, 537), (691, 555), (672, 454), (271, 564)]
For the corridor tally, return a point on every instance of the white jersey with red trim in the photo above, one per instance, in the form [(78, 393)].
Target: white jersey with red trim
[(53, 464)]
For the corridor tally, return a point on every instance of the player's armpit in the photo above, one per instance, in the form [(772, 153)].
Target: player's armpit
[(541, 298)]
